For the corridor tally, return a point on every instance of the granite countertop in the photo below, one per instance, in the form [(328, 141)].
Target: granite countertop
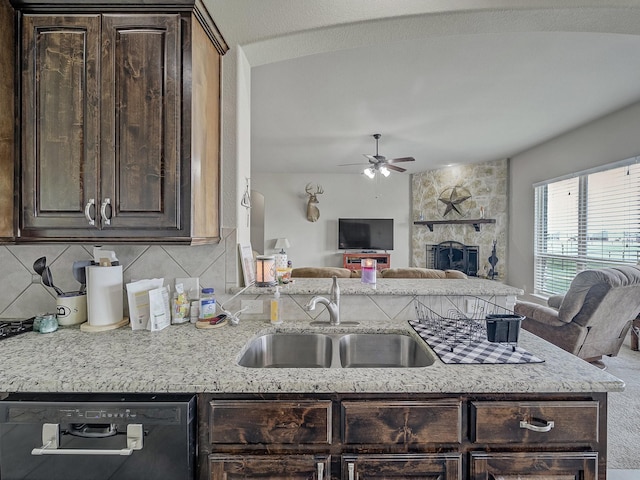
[(181, 358), (391, 286)]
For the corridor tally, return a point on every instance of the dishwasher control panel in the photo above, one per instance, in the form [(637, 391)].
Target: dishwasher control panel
[(81, 415), (44, 412)]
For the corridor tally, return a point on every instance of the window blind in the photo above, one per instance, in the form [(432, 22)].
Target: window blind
[(591, 220)]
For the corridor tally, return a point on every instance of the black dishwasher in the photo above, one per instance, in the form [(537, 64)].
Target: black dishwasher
[(97, 437)]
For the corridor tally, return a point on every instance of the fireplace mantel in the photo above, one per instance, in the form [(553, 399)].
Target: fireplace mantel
[(476, 223)]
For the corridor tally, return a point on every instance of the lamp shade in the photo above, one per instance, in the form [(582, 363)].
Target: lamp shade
[(281, 244)]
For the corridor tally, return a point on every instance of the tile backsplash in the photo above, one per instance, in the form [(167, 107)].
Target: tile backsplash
[(22, 293)]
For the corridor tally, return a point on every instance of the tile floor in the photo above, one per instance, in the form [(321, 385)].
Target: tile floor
[(623, 474)]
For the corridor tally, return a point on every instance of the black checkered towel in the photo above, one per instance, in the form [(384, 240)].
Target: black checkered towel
[(477, 351)]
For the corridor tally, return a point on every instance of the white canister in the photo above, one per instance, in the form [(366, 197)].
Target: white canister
[(72, 309)]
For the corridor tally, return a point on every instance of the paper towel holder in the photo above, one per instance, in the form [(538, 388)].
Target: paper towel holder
[(104, 299)]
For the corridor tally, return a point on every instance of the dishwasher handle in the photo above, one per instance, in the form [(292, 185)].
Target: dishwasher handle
[(51, 442)]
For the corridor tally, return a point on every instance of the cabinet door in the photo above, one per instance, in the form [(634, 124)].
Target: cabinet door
[(60, 72), (291, 467), (140, 171), (534, 466), (443, 466)]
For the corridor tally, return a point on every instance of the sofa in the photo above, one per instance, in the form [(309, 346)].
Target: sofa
[(409, 272), (592, 319), (320, 272), (417, 272)]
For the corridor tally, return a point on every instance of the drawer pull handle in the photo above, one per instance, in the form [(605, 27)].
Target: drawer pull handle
[(351, 467), (536, 428), (320, 466)]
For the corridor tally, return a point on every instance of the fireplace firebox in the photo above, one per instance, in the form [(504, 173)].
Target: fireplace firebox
[(452, 255)]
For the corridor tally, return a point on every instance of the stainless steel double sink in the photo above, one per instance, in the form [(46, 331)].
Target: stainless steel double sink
[(336, 350)]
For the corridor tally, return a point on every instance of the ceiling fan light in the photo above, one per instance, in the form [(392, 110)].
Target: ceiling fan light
[(370, 172), (384, 171)]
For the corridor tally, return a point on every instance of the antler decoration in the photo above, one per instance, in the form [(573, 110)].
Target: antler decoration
[(313, 213)]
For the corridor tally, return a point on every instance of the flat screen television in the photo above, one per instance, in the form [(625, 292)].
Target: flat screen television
[(365, 233)]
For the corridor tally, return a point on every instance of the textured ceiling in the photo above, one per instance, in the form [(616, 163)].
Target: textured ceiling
[(444, 82)]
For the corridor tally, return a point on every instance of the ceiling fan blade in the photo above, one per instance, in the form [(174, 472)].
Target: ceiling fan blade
[(351, 164), (402, 159), (393, 167)]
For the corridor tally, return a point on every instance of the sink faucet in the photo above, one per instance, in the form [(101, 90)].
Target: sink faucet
[(332, 304)]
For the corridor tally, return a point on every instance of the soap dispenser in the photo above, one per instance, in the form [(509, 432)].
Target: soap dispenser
[(275, 308)]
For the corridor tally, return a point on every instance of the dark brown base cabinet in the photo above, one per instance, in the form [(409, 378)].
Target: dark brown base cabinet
[(294, 467), (397, 436), (539, 466), (120, 116)]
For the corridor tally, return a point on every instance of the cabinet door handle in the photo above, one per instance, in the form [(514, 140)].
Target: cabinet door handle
[(87, 211), (351, 467), (536, 428), (320, 466), (103, 211)]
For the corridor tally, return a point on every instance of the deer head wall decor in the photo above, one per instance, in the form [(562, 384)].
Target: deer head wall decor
[(313, 214)]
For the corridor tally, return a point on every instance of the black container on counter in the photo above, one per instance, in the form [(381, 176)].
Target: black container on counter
[(503, 328)]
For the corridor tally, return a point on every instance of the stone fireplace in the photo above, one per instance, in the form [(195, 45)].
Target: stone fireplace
[(487, 183), (451, 255)]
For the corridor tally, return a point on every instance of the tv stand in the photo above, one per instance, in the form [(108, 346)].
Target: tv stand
[(352, 260)]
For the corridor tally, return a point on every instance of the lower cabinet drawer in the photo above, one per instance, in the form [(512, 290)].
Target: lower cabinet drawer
[(292, 467), (534, 422), (534, 466), (401, 422), (269, 421)]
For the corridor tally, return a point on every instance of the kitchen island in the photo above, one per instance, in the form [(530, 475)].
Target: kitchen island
[(182, 358), (450, 420)]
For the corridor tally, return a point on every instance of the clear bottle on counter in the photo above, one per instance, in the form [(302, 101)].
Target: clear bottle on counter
[(181, 305), (195, 311), (207, 304), (276, 318)]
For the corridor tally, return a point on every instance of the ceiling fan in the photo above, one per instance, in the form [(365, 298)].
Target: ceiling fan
[(379, 163)]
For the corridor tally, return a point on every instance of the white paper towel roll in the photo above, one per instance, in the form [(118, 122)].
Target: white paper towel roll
[(104, 295)]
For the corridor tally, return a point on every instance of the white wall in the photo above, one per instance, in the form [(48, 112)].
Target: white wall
[(609, 139), (243, 143), (345, 195)]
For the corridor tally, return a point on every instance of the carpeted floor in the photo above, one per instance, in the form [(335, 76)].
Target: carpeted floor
[(624, 410)]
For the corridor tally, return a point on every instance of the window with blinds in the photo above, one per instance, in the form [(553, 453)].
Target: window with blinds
[(591, 220)]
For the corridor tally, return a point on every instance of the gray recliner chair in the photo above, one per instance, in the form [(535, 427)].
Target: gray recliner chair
[(593, 317)]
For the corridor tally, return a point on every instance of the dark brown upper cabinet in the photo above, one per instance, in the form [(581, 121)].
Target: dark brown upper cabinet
[(7, 121), (120, 118)]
